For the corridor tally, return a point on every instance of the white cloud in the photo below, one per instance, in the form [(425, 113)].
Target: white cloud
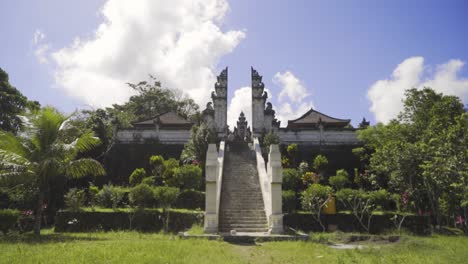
[(41, 50), (386, 95), (240, 102), (180, 42), (293, 89), (293, 98)]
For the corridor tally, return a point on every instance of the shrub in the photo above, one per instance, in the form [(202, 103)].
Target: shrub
[(190, 199), (291, 179), (383, 199), (141, 195), (149, 180), (8, 219), (137, 176), (303, 167), (110, 196), (92, 195), (309, 178), (289, 201), (74, 199), (170, 168), (320, 163), (293, 152), (340, 180), (164, 196), (186, 177), (314, 199), (157, 165), (360, 204)]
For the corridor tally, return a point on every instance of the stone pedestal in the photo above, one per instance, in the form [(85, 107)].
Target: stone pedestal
[(211, 210)]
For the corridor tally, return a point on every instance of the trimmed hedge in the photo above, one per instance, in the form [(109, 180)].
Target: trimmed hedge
[(420, 225), (190, 199), (8, 219), (141, 220)]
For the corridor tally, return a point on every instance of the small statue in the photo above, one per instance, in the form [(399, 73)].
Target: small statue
[(209, 106)]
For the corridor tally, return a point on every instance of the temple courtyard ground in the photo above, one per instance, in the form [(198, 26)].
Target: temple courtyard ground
[(133, 247)]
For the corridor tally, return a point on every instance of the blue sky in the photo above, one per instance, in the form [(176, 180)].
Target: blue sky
[(352, 58)]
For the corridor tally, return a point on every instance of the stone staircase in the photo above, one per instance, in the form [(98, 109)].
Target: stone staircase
[(241, 208)]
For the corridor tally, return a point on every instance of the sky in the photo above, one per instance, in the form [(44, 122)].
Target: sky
[(347, 59)]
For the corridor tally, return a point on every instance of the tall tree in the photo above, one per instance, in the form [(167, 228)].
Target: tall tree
[(41, 155), (424, 150), (12, 103)]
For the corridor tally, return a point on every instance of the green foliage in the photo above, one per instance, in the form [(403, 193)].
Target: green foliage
[(303, 167), (186, 177), (190, 199), (293, 152), (157, 165), (309, 178), (424, 151), (165, 197), (8, 219), (382, 199), (170, 167), (12, 104), (314, 198), (141, 195), (289, 201), (92, 194), (75, 199), (291, 179), (195, 149), (267, 140), (41, 154), (340, 180), (110, 196), (360, 203), (320, 163), (151, 181), (137, 176)]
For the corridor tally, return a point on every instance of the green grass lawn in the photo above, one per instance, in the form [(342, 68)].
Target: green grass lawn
[(133, 247)]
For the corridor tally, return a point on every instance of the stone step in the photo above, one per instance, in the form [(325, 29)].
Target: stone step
[(255, 230), (236, 226)]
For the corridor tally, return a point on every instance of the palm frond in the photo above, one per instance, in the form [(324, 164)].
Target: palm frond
[(12, 157), (47, 124), (84, 167), (13, 144), (87, 142)]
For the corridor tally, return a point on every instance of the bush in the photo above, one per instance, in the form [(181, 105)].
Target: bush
[(141, 195), (186, 177), (190, 199), (289, 201), (310, 178), (8, 219), (74, 199), (149, 180), (157, 165), (303, 167), (314, 199), (92, 195), (383, 199), (110, 196), (165, 197), (340, 180), (291, 180), (137, 176), (320, 163)]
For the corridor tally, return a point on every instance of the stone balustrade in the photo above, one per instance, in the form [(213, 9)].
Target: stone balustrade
[(214, 176)]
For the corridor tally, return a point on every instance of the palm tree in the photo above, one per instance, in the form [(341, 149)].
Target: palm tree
[(41, 153)]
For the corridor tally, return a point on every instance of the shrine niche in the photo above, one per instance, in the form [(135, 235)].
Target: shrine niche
[(242, 131)]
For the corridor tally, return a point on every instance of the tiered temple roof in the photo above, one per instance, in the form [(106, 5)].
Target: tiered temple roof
[(313, 119), (165, 120)]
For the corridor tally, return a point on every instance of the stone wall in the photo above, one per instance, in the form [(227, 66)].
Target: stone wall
[(143, 135)]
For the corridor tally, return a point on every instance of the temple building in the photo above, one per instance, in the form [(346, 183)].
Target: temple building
[(314, 132)]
